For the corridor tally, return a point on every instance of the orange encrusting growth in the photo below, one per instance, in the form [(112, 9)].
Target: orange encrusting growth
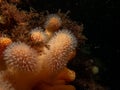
[(4, 42)]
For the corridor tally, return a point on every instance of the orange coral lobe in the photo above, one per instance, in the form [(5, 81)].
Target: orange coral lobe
[(53, 23), (4, 42), (67, 75)]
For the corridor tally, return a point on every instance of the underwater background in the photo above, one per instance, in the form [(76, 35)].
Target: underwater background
[(100, 19)]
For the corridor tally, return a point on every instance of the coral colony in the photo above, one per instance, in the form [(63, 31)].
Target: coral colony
[(34, 53)]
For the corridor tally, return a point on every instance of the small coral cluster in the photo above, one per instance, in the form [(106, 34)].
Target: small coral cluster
[(35, 58)]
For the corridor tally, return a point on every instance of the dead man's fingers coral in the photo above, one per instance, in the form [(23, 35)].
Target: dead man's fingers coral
[(52, 24), (21, 61), (38, 36), (56, 57), (20, 57)]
